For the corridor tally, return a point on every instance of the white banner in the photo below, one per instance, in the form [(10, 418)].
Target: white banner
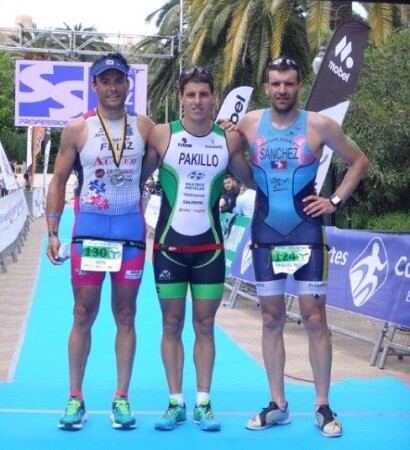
[(337, 113), (46, 157), (152, 211), (13, 215), (235, 104), (9, 178), (38, 205), (29, 156), (53, 93)]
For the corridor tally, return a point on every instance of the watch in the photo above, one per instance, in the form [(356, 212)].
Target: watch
[(336, 201)]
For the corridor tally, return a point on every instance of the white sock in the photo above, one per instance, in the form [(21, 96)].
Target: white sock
[(202, 397), (179, 398)]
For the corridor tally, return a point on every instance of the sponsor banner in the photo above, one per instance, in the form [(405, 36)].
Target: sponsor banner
[(37, 138), (152, 211), (13, 215), (38, 205), (242, 267), (53, 93), (369, 273), (337, 79), (235, 104), (39, 134), (233, 229), (337, 113), (6, 171), (47, 149)]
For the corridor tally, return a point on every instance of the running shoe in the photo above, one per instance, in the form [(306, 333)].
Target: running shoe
[(173, 416), (326, 421), (268, 417), (121, 416), (204, 417), (74, 415)]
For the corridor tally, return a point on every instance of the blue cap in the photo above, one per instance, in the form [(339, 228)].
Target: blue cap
[(108, 64)]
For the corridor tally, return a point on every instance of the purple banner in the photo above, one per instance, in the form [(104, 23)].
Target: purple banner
[(53, 93), (369, 273)]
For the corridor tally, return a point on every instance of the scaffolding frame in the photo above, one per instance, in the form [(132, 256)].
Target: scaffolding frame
[(73, 44)]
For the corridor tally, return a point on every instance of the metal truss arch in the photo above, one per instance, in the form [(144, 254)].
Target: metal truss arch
[(82, 44)]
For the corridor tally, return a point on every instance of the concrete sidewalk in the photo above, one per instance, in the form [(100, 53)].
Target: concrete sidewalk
[(351, 357)]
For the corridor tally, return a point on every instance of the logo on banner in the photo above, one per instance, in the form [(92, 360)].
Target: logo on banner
[(49, 92), (235, 104), (343, 49), (52, 93), (368, 272)]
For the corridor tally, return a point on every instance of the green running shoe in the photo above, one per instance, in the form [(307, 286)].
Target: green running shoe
[(121, 416), (205, 418), (74, 415), (173, 416)]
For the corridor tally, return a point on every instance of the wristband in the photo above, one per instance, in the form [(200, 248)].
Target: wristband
[(53, 216), (53, 233)]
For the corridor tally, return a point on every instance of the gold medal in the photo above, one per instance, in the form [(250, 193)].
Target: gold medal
[(117, 178)]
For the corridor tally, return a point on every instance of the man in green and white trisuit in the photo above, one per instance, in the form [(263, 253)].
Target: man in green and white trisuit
[(192, 155)]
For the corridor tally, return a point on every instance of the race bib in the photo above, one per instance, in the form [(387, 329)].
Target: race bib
[(290, 259), (101, 256)]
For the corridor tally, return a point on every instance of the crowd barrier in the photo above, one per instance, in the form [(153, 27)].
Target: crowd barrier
[(14, 226), (369, 273), (17, 209), (368, 286), (369, 277)]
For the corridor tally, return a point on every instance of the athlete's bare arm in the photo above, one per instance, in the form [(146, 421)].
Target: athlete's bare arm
[(72, 140), (237, 162), (248, 125), (157, 145), (145, 125), (323, 131)]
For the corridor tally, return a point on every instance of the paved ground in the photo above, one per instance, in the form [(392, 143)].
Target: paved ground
[(351, 356)]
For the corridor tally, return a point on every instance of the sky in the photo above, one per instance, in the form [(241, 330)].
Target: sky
[(126, 17)]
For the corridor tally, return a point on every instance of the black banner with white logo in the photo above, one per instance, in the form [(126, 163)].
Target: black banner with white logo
[(337, 80), (340, 68)]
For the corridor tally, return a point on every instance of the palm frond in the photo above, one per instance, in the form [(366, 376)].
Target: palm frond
[(236, 39), (380, 22), (194, 50), (318, 23), (279, 21)]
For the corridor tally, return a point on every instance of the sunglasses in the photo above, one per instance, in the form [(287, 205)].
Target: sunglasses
[(196, 70), (283, 62)]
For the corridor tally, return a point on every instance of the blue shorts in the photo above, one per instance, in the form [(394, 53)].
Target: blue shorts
[(315, 270), (122, 227)]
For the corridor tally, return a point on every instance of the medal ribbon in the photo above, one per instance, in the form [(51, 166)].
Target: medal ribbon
[(117, 157)]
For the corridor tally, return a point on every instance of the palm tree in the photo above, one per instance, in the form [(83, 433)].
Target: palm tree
[(253, 31), (236, 38), (250, 34), (163, 73), (328, 15)]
